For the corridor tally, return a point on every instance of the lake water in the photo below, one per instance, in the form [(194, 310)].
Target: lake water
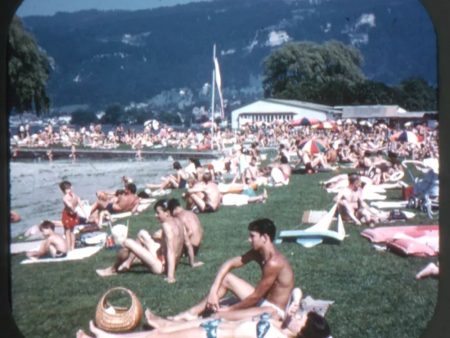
[(36, 196)]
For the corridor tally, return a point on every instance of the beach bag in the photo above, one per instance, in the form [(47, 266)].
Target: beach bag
[(118, 319)]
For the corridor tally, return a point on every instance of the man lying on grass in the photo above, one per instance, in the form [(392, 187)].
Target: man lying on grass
[(125, 200), (274, 288), (160, 253)]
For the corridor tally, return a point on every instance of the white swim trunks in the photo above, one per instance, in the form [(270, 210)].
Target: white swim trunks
[(265, 302)]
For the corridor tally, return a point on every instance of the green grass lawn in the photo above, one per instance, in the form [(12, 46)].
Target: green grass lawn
[(375, 293)]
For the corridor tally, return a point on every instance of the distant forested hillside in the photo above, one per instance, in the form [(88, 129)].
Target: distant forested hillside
[(120, 56)]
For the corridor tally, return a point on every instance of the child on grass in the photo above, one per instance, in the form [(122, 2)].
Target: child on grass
[(69, 215), (53, 245)]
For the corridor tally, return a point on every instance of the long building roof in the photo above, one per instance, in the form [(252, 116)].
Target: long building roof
[(282, 106)]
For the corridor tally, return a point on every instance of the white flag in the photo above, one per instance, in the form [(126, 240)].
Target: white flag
[(219, 85)]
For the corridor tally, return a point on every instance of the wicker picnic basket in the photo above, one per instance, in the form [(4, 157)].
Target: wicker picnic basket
[(118, 319)]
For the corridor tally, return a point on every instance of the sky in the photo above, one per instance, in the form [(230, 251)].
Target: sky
[(50, 7)]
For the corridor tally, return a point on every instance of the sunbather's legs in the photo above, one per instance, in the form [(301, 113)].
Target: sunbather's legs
[(347, 211), (259, 199), (122, 256), (147, 241), (102, 215), (98, 333), (148, 257), (431, 270), (70, 239), (199, 201), (52, 250), (190, 332), (319, 161), (239, 287)]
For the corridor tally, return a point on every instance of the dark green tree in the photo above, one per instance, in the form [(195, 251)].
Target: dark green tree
[(372, 92), (417, 95), (28, 70), (139, 116), (114, 114), (289, 69), (171, 118), (83, 117)]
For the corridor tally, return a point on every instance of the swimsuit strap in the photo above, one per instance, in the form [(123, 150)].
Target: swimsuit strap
[(263, 325), (211, 327)]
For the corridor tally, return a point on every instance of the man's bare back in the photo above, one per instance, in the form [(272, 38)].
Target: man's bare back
[(213, 196), (173, 233), (193, 226)]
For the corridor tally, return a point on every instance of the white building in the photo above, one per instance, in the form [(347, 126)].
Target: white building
[(268, 110)]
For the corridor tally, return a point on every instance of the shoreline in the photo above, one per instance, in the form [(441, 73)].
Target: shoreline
[(63, 153)]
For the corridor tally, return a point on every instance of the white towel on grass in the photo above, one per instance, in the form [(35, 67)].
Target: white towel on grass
[(76, 254)]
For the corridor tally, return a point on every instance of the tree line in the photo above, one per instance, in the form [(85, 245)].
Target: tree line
[(331, 74)]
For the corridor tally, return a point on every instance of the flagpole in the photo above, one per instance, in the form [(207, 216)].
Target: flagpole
[(213, 85)]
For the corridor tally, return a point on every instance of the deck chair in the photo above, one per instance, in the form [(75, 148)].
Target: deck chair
[(426, 188)]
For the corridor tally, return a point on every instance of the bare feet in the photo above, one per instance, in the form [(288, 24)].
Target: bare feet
[(265, 195), (170, 280), (124, 267), (155, 321), (184, 316), (431, 270), (82, 334), (197, 264), (106, 272)]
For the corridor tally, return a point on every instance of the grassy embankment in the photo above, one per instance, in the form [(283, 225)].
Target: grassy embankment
[(375, 293)]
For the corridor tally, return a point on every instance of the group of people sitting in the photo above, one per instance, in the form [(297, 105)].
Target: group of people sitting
[(232, 180), (180, 232), (269, 309)]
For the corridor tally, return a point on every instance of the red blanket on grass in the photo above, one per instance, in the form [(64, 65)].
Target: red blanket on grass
[(414, 240)]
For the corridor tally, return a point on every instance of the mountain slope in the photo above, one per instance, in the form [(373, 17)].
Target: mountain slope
[(119, 56)]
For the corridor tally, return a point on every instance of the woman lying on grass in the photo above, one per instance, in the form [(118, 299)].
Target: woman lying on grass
[(257, 322), (311, 325)]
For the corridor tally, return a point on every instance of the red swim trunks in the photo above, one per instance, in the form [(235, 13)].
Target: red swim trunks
[(69, 220)]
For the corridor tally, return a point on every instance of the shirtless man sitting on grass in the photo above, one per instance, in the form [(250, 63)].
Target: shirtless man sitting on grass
[(274, 288), (351, 205), (54, 245), (193, 227), (160, 253), (205, 197)]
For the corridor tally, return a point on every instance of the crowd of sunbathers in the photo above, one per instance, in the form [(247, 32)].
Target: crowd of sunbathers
[(345, 143), (264, 310)]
